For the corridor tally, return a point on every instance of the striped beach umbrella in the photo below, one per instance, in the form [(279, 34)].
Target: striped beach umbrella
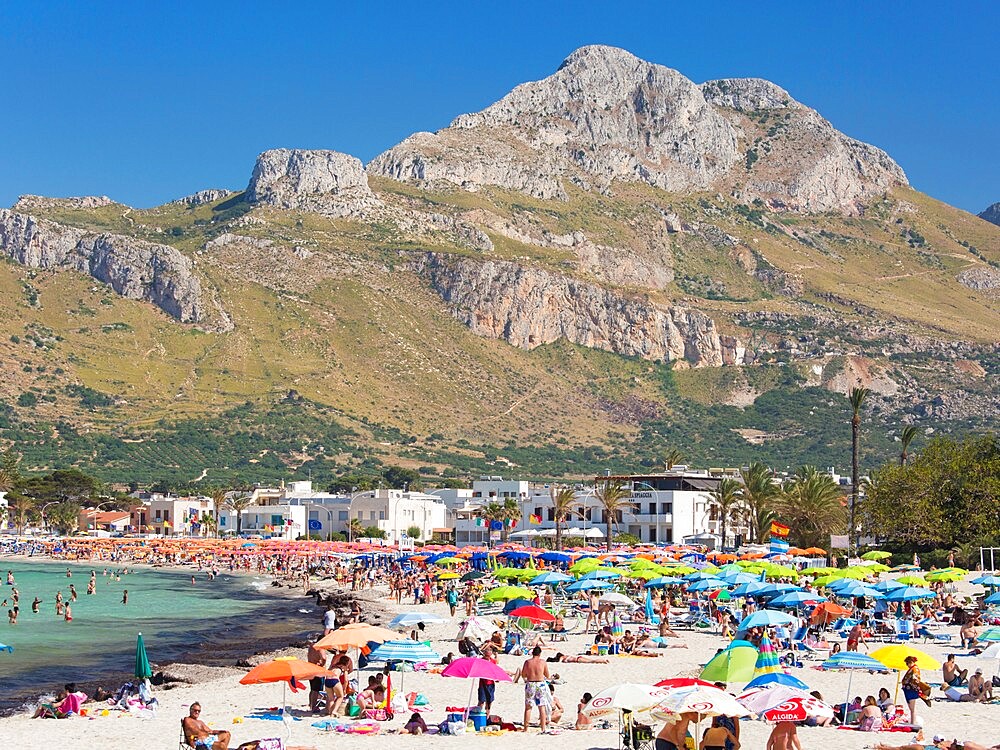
[(852, 660), (990, 635), (767, 658), (404, 650), (777, 678)]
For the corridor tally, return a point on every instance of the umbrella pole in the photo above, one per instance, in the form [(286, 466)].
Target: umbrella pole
[(465, 713), (895, 699), (847, 700)]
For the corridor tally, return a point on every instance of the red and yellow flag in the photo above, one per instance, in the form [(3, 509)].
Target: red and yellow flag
[(779, 529)]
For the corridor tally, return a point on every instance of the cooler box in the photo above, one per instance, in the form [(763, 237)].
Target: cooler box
[(478, 718)]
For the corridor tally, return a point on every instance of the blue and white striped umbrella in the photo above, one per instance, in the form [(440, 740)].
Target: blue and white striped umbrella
[(404, 651), (852, 660), (412, 619), (794, 599), (751, 588)]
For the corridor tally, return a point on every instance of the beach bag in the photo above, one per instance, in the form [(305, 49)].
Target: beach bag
[(378, 714)]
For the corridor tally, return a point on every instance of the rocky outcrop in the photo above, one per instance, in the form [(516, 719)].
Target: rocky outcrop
[(992, 214), (133, 268), (608, 116), (980, 278), (528, 307), (41, 202), (204, 196), (326, 182)]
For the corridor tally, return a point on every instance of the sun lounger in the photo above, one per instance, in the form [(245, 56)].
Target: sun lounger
[(927, 635)]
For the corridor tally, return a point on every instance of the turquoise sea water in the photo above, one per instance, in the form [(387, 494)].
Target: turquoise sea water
[(177, 620)]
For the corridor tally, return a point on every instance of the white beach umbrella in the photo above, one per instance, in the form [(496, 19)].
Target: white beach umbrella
[(628, 696)]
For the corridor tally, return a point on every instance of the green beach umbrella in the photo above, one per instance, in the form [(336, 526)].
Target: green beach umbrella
[(142, 668), (506, 593), (735, 664), (474, 575), (948, 574), (911, 581), (876, 554)]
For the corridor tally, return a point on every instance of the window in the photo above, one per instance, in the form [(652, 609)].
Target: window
[(538, 511), (666, 508), (159, 515), (314, 515), (381, 515), (222, 520), (342, 515), (371, 515), (652, 509)]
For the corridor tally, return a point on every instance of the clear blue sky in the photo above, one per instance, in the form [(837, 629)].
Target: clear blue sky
[(148, 101)]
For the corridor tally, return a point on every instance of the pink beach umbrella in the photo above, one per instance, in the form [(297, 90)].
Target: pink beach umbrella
[(472, 668)]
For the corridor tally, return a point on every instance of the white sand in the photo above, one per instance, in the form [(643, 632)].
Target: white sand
[(223, 699)]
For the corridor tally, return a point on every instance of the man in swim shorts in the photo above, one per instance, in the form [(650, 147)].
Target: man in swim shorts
[(535, 673), (199, 735)]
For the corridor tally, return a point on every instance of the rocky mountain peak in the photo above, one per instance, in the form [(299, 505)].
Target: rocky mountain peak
[(992, 214), (606, 115), (328, 182)]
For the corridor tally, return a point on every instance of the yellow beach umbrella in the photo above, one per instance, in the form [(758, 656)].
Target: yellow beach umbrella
[(446, 576), (895, 657)]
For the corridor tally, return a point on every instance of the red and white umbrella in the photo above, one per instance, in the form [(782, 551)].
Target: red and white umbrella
[(783, 703), (704, 701), (628, 696)]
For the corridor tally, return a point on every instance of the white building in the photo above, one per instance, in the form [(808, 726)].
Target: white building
[(395, 511), (269, 515), (326, 513), (167, 515)]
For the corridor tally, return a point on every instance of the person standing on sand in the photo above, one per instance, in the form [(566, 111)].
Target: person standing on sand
[(535, 673), (784, 736), (329, 619), (317, 657), (673, 736)]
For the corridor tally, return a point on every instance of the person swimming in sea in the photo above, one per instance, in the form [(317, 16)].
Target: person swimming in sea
[(68, 617), (125, 596), (72, 593), (34, 605)]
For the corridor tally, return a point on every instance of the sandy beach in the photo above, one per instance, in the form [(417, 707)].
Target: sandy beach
[(227, 704)]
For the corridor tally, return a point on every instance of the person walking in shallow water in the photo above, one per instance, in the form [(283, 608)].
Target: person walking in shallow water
[(125, 596)]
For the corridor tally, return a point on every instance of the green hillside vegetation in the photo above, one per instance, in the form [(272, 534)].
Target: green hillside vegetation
[(352, 353)]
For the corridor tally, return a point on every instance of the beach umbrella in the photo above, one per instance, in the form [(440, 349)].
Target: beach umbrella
[(852, 660), (142, 669), (750, 588), (555, 557), (734, 664), (876, 554), (474, 575), (533, 613), (446, 576), (680, 682), (878, 568), (776, 589), (777, 678), (765, 618), (702, 701), (736, 578), (989, 635), (285, 669), (503, 593), (993, 598), (449, 561), (990, 581), (823, 582), (825, 612), (908, 594), (412, 619), (947, 574), (767, 658), (473, 668), (781, 571), (476, 628), (618, 600), (888, 585), (404, 650), (855, 589), (781, 703), (513, 604), (909, 580), (794, 599), (707, 584), (895, 657), (628, 696), (354, 635), (588, 586), (549, 578)]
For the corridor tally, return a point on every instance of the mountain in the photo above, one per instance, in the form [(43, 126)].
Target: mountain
[(604, 264), (992, 214)]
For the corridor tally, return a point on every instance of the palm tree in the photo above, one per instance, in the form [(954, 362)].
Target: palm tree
[(614, 497), (905, 438), (812, 505), (673, 457), (759, 493), (857, 398), (210, 524), (727, 497), (354, 529), (20, 507), (239, 503), (563, 500)]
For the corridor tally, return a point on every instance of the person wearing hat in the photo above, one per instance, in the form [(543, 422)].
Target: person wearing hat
[(979, 689)]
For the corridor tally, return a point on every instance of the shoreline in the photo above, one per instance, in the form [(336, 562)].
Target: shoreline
[(288, 627)]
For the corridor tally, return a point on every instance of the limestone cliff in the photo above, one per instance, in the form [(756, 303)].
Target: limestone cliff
[(327, 182), (608, 116), (528, 307), (133, 268)]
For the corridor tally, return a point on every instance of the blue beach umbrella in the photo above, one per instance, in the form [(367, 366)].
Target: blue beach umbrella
[(766, 618), (549, 578), (555, 557), (776, 678), (909, 594), (988, 580), (794, 599), (990, 635), (588, 585), (852, 660), (751, 588), (993, 598), (735, 578), (412, 619), (888, 585), (856, 589), (707, 584)]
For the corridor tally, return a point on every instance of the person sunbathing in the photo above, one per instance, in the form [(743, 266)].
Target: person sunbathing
[(199, 735), (416, 725), (582, 720), (581, 659)]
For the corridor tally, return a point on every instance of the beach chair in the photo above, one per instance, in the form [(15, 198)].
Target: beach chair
[(927, 635), (635, 736), (904, 631)]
